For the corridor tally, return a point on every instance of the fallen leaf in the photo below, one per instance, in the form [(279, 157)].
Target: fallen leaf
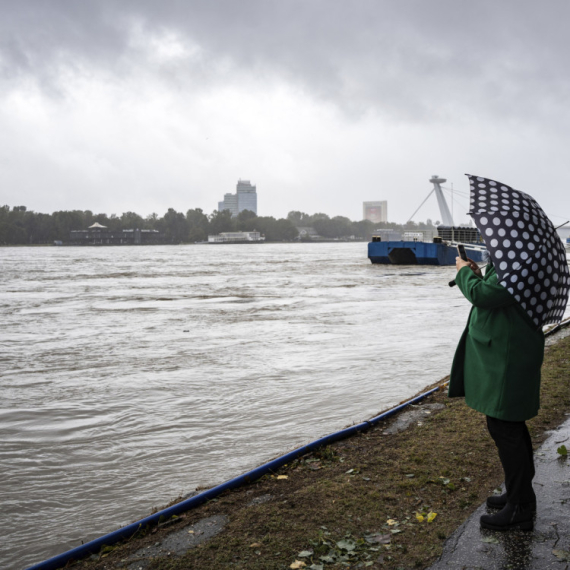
[(391, 522), (282, 476), (346, 545), (190, 532), (562, 451), (431, 516), (562, 555), (255, 545), (305, 553), (420, 517), (490, 540), (378, 538), (297, 564), (316, 567)]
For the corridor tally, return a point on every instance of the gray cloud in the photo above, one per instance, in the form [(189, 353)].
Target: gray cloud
[(142, 104), (410, 60)]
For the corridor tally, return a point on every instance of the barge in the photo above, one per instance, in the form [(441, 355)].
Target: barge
[(442, 250), (419, 252)]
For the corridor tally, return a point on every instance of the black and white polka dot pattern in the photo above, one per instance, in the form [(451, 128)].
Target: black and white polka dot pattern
[(529, 257)]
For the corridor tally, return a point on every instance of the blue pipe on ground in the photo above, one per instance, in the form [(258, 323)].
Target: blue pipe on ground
[(94, 546)]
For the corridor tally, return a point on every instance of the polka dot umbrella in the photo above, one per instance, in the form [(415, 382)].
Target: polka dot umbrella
[(528, 255)]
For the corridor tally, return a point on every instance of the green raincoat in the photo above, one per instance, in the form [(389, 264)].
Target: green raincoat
[(498, 360)]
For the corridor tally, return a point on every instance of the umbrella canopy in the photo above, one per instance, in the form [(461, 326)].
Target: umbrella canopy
[(529, 257)]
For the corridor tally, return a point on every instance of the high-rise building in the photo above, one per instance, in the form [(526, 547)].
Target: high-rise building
[(230, 203), (375, 211), (245, 198)]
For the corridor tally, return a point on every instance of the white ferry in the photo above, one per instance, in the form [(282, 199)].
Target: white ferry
[(236, 237)]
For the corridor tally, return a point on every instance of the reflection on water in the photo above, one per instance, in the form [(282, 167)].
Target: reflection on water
[(131, 375)]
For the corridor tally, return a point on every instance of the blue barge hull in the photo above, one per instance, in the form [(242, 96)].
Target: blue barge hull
[(417, 253)]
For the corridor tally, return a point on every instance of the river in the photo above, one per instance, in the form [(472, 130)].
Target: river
[(132, 375)]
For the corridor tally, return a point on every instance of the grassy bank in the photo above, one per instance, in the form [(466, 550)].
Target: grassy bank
[(359, 503)]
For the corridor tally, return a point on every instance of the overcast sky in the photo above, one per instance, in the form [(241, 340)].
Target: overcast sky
[(144, 105)]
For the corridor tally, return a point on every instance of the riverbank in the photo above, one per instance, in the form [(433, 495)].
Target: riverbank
[(387, 498)]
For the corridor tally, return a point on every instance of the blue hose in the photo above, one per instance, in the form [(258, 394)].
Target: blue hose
[(94, 546)]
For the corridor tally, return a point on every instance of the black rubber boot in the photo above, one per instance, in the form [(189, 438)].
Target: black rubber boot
[(499, 502), (511, 517)]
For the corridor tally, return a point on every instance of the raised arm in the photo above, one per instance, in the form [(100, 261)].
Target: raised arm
[(483, 294)]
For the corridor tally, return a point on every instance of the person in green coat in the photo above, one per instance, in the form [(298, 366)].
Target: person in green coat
[(497, 369)]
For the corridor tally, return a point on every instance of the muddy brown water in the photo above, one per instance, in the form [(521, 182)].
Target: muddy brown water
[(129, 376)]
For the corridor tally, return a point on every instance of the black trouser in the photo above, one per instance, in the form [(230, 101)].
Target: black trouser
[(515, 451)]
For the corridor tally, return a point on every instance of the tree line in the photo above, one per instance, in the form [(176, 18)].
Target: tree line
[(20, 226)]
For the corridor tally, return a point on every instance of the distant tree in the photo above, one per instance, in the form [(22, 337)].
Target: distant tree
[(87, 218), (132, 221), (64, 221), (298, 219), (285, 230), (115, 224), (247, 221), (363, 229), (173, 226), (102, 219), (151, 221), (14, 230), (198, 225), (316, 217), (39, 227), (245, 215), (221, 222), (276, 230)]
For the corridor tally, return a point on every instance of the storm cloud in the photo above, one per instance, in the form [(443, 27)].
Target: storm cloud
[(195, 89)]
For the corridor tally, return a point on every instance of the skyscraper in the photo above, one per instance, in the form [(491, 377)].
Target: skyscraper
[(375, 211), (231, 203), (245, 198)]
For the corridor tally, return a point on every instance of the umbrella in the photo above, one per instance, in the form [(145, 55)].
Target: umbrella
[(529, 257)]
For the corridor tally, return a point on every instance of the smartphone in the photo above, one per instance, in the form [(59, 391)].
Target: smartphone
[(461, 252)]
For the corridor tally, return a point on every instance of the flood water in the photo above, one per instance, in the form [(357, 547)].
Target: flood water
[(131, 375)]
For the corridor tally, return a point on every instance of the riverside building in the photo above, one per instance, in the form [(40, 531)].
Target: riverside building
[(375, 211), (98, 234), (245, 198)]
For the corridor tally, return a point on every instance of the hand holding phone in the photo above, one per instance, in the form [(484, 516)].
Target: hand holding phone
[(461, 252)]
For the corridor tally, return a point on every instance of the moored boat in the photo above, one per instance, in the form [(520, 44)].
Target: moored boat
[(442, 250)]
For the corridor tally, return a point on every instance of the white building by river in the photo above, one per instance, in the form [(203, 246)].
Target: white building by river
[(236, 237)]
